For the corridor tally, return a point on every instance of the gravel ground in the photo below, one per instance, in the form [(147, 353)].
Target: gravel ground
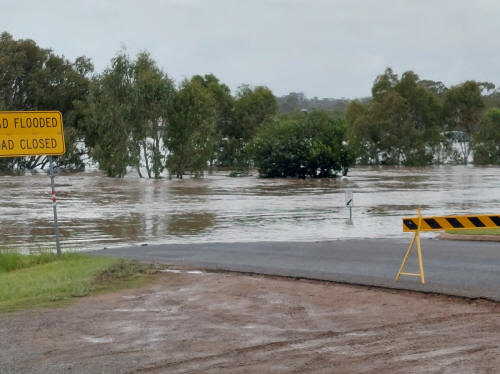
[(207, 322)]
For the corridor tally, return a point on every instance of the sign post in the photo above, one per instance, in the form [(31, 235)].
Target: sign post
[(54, 205), (349, 204), (34, 133)]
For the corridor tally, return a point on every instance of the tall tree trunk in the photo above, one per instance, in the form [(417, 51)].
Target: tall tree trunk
[(146, 159), (156, 156)]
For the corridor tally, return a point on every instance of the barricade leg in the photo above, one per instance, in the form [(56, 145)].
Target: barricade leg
[(420, 261), (416, 238), (407, 255)]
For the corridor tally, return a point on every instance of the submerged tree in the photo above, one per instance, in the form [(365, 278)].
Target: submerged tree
[(252, 108), (127, 116), (190, 134), (224, 116), (463, 109), (401, 125), (305, 145), (487, 139), (152, 90), (110, 119)]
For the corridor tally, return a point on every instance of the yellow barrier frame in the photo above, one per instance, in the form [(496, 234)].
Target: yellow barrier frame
[(416, 238)]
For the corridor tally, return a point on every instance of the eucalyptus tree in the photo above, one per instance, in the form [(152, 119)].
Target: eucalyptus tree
[(423, 112), (400, 125), (252, 107), (224, 118), (110, 118), (463, 109), (127, 116), (190, 133), (152, 90), (486, 140), (363, 133)]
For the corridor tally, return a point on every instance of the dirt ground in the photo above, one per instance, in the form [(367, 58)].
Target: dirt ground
[(203, 322)]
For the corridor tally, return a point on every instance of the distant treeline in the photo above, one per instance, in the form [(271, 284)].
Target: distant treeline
[(133, 115), (297, 101)]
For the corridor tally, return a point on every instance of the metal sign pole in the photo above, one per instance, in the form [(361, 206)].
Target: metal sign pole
[(349, 204), (54, 205)]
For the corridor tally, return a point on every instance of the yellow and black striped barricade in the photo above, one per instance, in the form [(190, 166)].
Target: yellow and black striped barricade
[(419, 223)]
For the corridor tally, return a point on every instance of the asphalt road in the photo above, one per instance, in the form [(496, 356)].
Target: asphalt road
[(461, 268)]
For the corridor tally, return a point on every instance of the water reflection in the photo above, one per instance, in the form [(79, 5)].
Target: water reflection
[(190, 224), (96, 211)]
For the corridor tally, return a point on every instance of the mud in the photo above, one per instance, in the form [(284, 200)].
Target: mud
[(199, 322)]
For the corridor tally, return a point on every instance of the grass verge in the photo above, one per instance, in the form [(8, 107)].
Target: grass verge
[(45, 280), (493, 231)]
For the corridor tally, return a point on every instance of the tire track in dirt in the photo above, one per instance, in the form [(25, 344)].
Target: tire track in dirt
[(313, 343)]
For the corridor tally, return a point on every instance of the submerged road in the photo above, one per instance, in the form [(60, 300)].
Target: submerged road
[(462, 268)]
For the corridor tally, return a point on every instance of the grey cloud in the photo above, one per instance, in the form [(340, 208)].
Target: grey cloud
[(323, 48)]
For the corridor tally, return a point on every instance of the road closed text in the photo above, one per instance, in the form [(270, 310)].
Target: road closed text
[(44, 143), (31, 133), (29, 144)]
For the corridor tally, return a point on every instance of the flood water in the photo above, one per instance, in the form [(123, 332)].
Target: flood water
[(97, 212)]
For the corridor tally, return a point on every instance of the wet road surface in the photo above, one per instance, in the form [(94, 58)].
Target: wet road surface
[(470, 269)]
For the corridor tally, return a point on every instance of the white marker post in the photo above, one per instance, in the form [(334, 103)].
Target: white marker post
[(349, 202)]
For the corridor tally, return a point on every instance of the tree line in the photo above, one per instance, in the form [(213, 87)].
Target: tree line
[(134, 116), (410, 121)]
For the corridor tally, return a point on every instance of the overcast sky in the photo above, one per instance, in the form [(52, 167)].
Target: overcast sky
[(319, 47)]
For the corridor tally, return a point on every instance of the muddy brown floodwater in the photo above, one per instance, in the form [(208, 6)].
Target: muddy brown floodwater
[(201, 322), (96, 211)]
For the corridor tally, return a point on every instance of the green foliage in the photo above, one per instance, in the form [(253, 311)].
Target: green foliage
[(463, 109), (401, 125), (110, 120), (487, 139), (224, 118), (252, 107), (190, 135), (152, 90), (12, 260), (127, 116), (234, 153), (306, 145)]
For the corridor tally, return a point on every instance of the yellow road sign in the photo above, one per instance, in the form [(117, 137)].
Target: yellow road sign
[(31, 133), (476, 221)]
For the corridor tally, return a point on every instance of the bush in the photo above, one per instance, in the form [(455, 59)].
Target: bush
[(307, 145)]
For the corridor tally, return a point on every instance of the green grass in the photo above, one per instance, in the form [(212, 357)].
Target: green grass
[(11, 260), (45, 280), (493, 231)]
